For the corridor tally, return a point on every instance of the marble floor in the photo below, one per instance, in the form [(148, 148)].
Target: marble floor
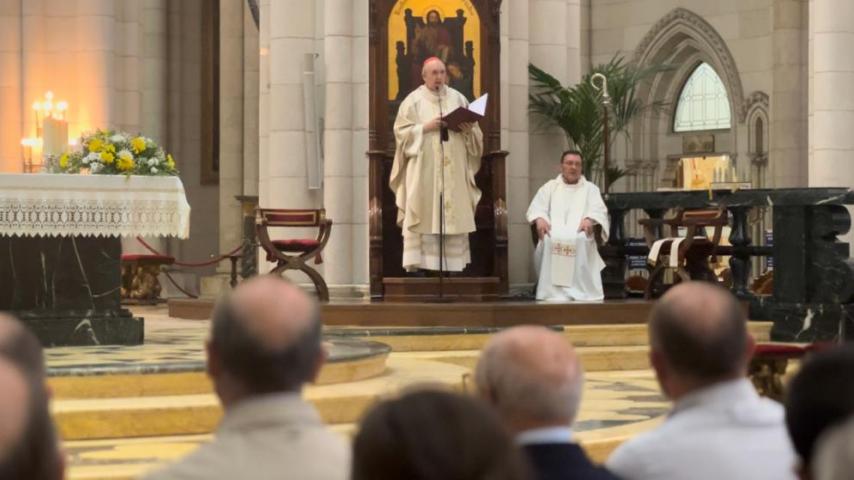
[(104, 438)]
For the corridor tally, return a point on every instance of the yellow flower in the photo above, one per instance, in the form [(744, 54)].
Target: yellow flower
[(95, 145), (170, 162), (137, 144), (124, 164), (107, 157), (110, 148), (63, 160)]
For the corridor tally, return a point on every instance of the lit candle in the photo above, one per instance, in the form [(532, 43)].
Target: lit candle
[(55, 135)]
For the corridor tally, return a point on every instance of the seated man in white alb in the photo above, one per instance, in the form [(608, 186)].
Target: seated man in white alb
[(565, 210)]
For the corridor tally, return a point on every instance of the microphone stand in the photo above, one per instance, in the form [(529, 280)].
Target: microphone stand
[(443, 137)]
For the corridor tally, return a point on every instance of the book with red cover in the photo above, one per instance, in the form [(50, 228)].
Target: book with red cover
[(474, 112)]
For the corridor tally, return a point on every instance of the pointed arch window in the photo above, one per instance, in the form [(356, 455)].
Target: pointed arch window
[(703, 103)]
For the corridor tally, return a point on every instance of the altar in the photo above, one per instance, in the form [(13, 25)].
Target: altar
[(60, 250)]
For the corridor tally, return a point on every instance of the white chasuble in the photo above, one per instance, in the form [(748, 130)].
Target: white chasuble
[(566, 260), (423, 165)]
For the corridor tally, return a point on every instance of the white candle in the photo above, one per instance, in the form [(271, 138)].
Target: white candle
[(55, 135)]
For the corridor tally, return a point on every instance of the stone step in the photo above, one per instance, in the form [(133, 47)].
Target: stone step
[(436, 339), (128, 417), (615, 406)]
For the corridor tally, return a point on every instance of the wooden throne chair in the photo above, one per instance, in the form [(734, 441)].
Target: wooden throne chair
[(294, 253), (686, 256)]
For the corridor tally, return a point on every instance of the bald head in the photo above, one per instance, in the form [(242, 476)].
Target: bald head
[(532, 375), (700, 331), (266, 335)]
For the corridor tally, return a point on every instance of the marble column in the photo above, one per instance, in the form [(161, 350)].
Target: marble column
[(832, 120), (11, 102), (153, 74), (287, 35), (831, 142), (231, 127), (251, 87), (515, 138), (128, 58), (95, 67), (338, 139), (788, 126), (360, 121)]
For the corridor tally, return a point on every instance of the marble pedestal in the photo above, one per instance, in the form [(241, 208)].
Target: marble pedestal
[(67, 289)]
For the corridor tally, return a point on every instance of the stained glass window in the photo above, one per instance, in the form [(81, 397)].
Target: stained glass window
[(703, 103)]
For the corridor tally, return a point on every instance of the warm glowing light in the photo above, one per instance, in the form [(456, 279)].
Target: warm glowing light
[(72, 142), (29, 142)]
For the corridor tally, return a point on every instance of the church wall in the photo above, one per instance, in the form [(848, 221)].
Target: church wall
[(765, 38)]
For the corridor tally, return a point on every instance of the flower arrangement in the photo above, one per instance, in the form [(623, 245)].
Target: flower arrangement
[(110, 152)]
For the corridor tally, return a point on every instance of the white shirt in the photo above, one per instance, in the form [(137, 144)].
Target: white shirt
[(726, 431), (537, 436)]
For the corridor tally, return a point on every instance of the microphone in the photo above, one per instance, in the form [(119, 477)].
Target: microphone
[(443, 130)]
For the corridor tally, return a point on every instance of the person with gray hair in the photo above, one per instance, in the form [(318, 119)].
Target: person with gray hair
[(533, 378), (265, 345), (719, 427)]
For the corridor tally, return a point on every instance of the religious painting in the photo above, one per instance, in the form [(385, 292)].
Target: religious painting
[(701, 143), (420, 29)]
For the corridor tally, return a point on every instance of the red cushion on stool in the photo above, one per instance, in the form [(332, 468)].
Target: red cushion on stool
[(147, 258), (778, 350), (296, 245)]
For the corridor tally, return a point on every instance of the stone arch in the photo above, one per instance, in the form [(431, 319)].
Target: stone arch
[(682, 39)]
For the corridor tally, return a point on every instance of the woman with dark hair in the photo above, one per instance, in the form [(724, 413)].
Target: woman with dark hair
[(434, 435)]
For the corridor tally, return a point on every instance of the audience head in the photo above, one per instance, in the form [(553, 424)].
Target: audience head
[(571, 165), (21, 347), (434, 435), (265, 338), (819, 396), (28, 442), (834, 453), (532, 376), (698, 336)]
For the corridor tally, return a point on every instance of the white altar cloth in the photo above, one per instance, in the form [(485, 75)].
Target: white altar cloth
[(93, 205)]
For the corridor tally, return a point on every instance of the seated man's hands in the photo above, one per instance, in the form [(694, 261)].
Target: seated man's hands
[(586, 226), (543, 227), (466, 127)]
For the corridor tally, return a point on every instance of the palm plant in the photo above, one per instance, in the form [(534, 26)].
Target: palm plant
[(577, 109)]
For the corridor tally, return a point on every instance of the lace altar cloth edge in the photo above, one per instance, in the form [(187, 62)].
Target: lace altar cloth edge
[(93, 205)]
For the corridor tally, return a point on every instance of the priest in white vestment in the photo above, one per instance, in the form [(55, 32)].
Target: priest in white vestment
[(418, 173), (565, 211)]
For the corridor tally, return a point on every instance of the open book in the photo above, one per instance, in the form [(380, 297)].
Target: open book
[(474, 112)]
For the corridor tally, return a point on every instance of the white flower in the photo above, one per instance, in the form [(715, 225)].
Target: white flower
[(91, 157), (117, 138), (95, 167), (153, 169)]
